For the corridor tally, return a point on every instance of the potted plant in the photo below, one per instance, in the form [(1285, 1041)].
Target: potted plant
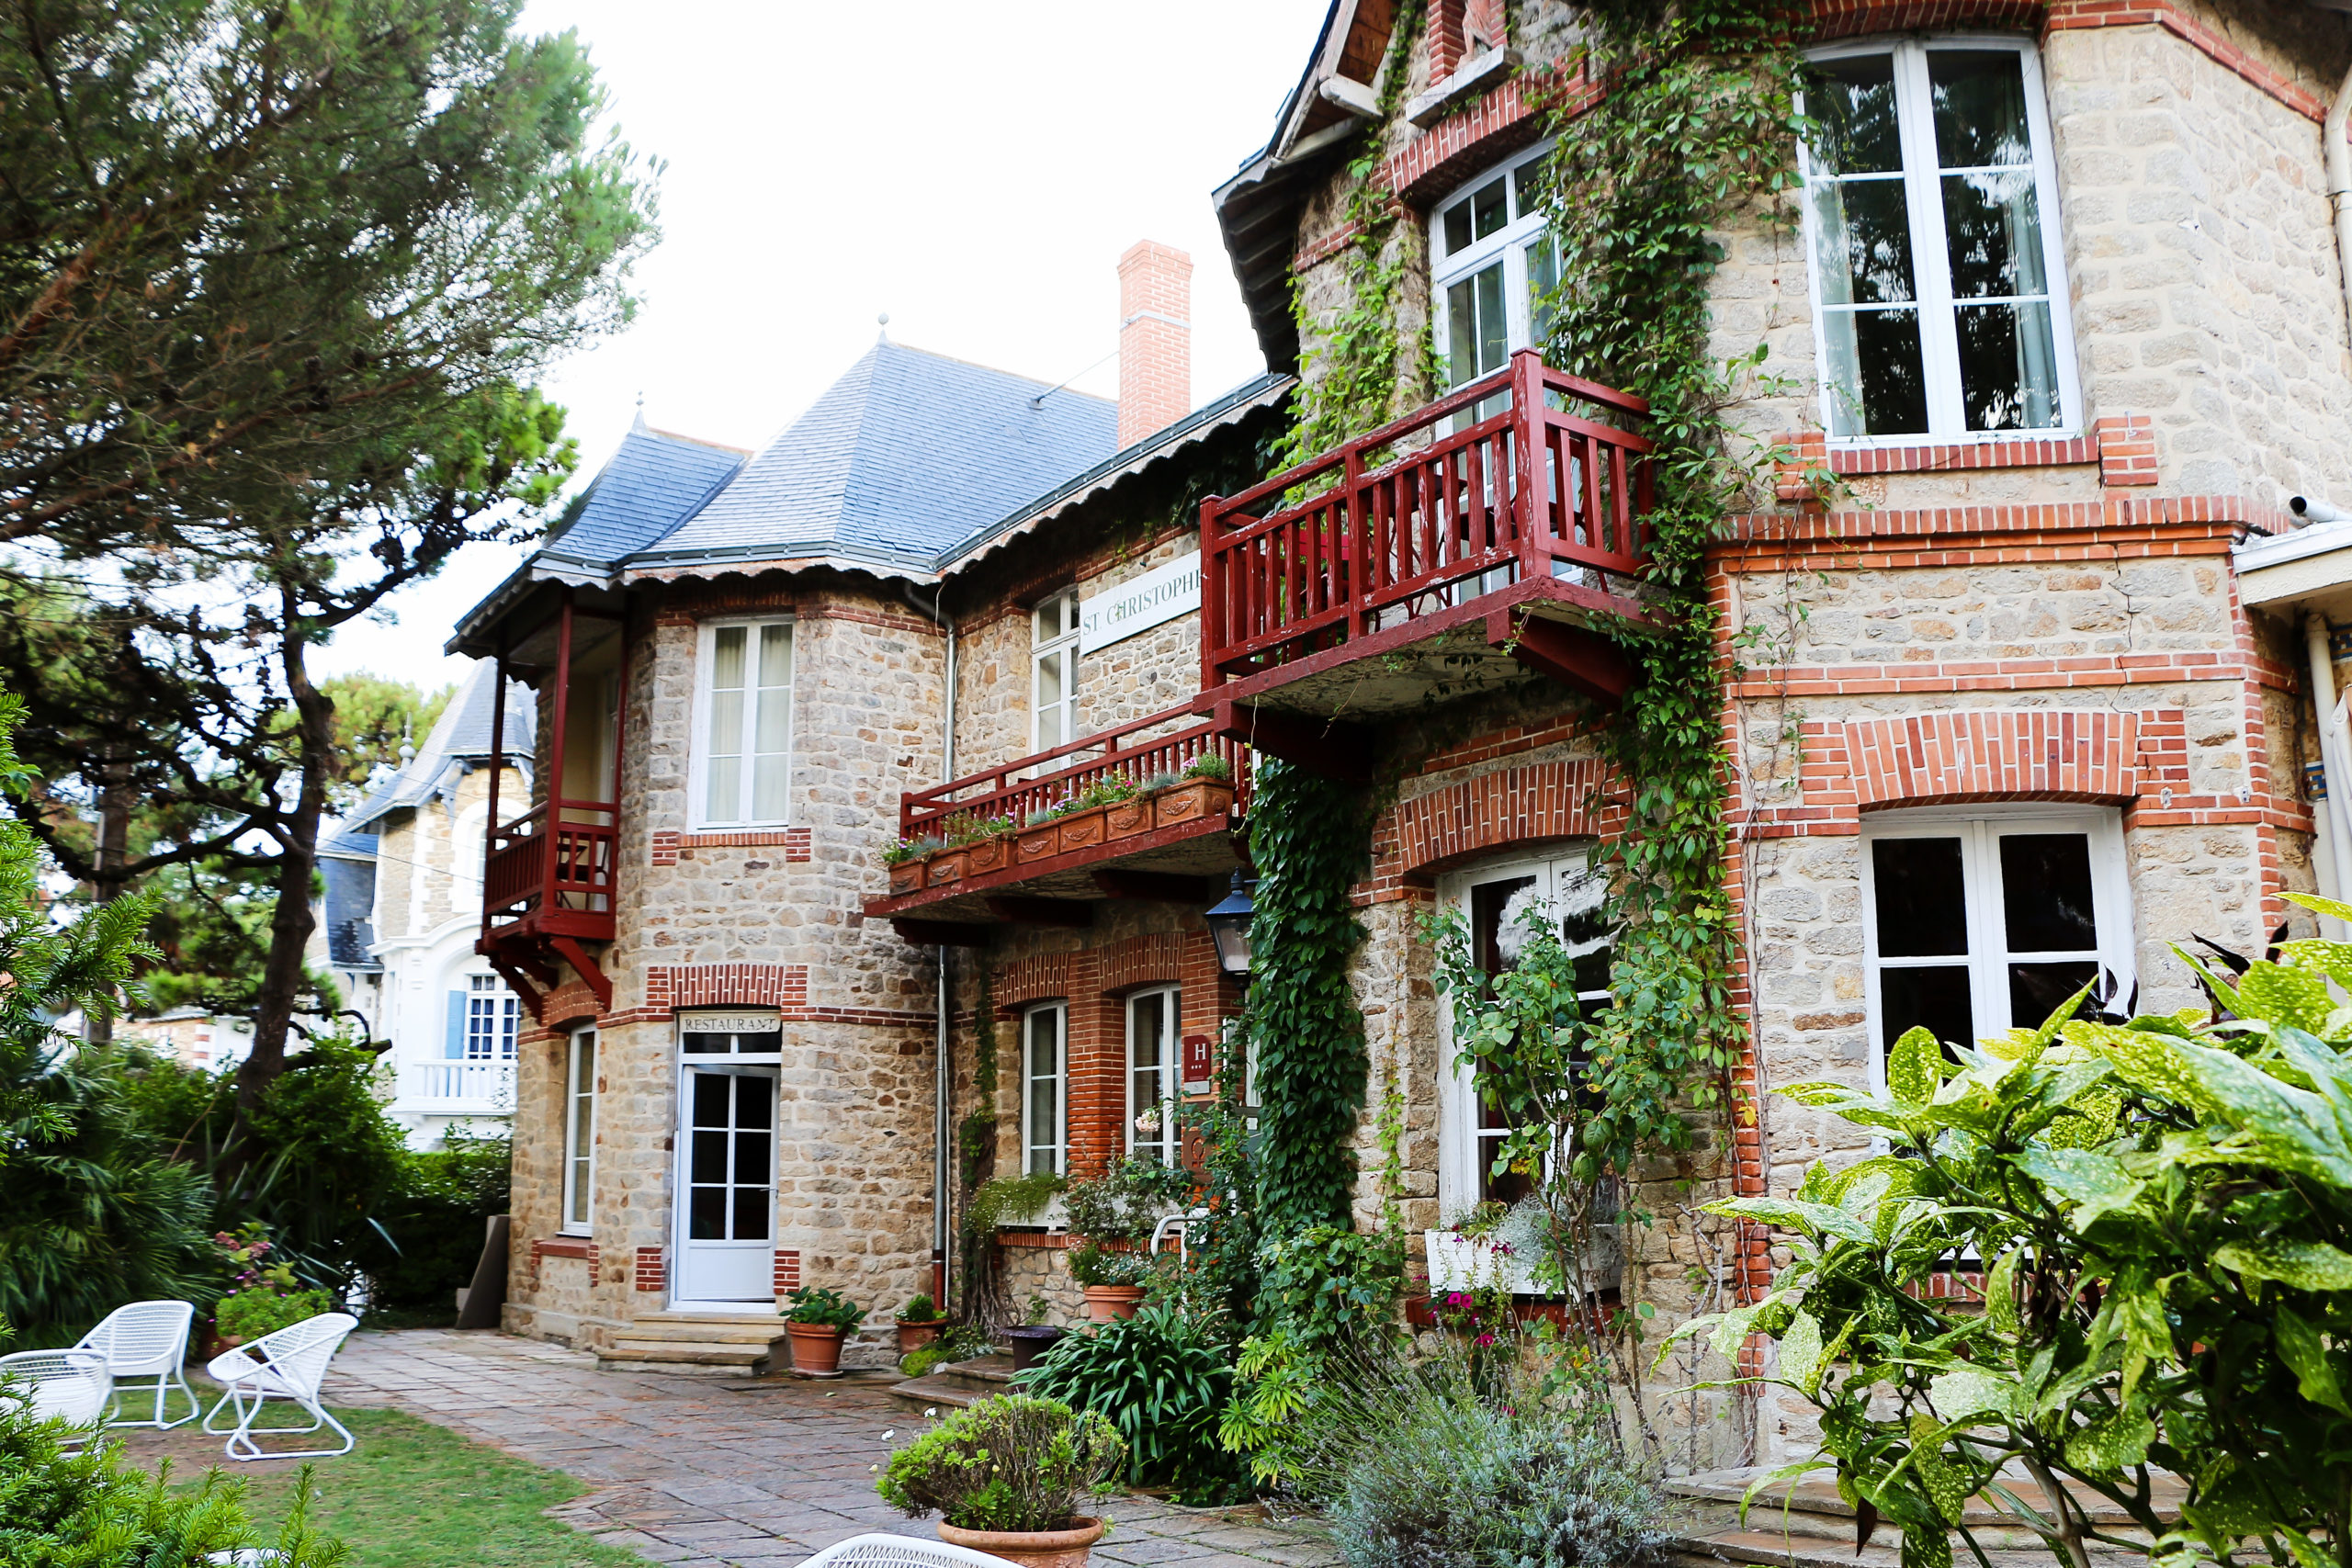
[(1080, 828), (1112, 1219), (263, 1297), (1005, 1476), (1132, 813), (919, 1323), (1206, 790), (991, 846), (818, 1320), (945, 867), (905, 859), (1041, 839)]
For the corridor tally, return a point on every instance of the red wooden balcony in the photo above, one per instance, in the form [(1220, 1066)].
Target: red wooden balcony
[(1494, 531), (556, 881), (1172, 842)]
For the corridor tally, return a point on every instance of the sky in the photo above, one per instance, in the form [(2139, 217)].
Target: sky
[(972, 170)]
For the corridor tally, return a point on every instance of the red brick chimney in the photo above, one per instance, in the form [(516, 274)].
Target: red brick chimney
[(1154, 339)]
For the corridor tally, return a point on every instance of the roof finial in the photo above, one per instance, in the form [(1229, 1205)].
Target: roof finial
[(408, 741), (883, 321), (640, 423)]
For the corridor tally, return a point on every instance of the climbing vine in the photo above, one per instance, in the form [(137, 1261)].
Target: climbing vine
[(1694, 127)]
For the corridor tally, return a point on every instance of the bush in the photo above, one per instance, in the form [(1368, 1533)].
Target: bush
[(432, 1228), (249, 1314), (1331, 1286), (2160, 1209), (1112, 1219), (1161, 1382), (919, 1308), (74, 1508), (1013, 1462), (958, 1343)]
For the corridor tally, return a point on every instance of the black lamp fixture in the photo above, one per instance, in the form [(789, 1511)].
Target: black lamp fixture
[(1228, 921)]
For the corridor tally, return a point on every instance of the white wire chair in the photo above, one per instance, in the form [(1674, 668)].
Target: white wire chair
[(901, 1552), (146, 1339), (66, 1386), (289, 1364)]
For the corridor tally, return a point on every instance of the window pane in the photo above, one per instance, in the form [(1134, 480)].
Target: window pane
[(1980, 108), (725, 766), (1543, 276), (775, 656), (1457, 227), (1049, 679), (1489, 210), (1937, 998), (772, 788), (755, 1101), (1921, 907), (751, 1214), (699, 1043), (1506, 1187), (727, 659), (1494, 906), (751, 1159), (1527, 183), (1852, 102), (707, 1160), (1049, 619), (1861, 236), (1462, 333), (1992, 228), (1493, 328), (1876, 385), (2037, 989), (2046, 893), (2009, 372), (706, 1213), (709, 1099)]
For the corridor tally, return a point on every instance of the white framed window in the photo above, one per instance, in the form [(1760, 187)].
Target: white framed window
[(1975, 919), (1152, 1066), (743, 764), (1498, 902), (1931, 222), (1492, 264), (1044, 1088), (493, 1014), (1053, 664), (580, 1133)]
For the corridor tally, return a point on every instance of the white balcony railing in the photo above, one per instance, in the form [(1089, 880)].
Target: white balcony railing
[(458, 1088)]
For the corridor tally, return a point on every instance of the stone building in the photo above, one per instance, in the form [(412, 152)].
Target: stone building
[(2006, 709)]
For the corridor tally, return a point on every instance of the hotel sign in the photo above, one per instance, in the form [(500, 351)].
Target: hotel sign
[(1140, 603)]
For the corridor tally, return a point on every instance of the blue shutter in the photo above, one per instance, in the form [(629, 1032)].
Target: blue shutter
[(455, 1046)]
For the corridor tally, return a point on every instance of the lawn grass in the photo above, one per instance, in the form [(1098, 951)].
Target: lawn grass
[(417, 1495)]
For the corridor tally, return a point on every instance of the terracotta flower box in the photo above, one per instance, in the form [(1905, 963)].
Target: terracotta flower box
[(1080, 830), (991, 853), (1193, 798), (1125, 819), (906, 876), (1037, 843), (946, 867)]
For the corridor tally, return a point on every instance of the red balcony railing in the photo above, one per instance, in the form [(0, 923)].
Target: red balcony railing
[(1019, 787), (1414, 519), (560, 877)]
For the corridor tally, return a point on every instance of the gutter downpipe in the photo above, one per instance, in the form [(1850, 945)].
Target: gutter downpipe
[(2339, 183), (2333, 823), (943, 1083)]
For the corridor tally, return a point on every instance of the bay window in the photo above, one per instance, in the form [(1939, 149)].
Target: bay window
[(1931, 220), (744, 703)]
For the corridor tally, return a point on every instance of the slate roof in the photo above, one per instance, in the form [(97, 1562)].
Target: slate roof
[(653, 483), (906, 455), (349, 915), (460, 735)]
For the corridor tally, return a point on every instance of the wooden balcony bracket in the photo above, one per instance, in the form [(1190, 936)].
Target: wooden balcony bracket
[(1333, 748), (534, 998), (1581, 660), (586, 966)]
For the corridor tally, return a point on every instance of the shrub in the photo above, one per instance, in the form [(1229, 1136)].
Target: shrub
[(2160, 1209), (249, 1314), (1112, 1218), (819, 1305), (1013, 1462), (1210, 765), (57, 1507), (432, 1227), (1159, 1381), (1331, 1286), (957, 1344), (919, 1308)]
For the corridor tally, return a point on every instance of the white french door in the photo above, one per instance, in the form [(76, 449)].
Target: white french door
[(726, 1219)]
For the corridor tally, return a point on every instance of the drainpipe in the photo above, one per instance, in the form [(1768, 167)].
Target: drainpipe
[(2333, 860), (2339, 183), (943, 1080)]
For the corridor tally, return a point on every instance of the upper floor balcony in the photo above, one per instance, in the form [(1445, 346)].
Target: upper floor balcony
[(457, 1089), (1147, 810), (1499, 530)]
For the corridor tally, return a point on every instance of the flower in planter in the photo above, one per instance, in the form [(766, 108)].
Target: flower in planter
[(818, 1305), (1148, 1124)]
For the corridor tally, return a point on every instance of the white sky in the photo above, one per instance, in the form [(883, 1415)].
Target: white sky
[(974, 170)]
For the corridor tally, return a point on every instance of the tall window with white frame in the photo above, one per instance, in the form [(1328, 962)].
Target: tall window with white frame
[(1977, 922), (1053, 662), (1493, 267), (1931, 213), (1152, 1066), (1045, 1090), (493, 1014), (580, 1133), (746, 711)]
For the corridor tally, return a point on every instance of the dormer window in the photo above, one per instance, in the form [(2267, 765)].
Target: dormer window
[(1931, 219)]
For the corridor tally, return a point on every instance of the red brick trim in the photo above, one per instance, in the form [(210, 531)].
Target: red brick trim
[(2127, 449), (651, 1272), (2211, 521), (674, 986), (1858, 18), (2069, 15), (1508, 806), (669, 846), (565, 1246), (1507, 119), (787, 1271)]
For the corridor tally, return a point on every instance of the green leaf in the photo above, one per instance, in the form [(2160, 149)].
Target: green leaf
[(1801, 1361), (1972, 1391), (2001, 1292), (2095, 1184), (2117, 1440), (2276, 994), (2305, 1353), (1915, 1067), (2301, 1265)]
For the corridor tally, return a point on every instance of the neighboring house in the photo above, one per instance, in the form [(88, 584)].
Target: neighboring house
[(404, 907), (190, 1036), (2042, 688)]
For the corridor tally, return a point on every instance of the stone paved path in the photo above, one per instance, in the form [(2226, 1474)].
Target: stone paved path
[(702, 1471)]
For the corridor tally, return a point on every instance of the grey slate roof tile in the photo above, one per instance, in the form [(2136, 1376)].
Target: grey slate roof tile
[(654, 482)]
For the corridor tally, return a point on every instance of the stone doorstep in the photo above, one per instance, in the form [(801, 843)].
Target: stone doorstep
[(959, 1385), (696, 1343)]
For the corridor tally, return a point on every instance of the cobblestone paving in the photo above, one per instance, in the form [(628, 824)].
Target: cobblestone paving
[(702, 1471)]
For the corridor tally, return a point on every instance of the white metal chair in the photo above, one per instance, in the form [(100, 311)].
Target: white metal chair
[(146, 1339), (289, 1364), (65, 1385), (901, 1552)]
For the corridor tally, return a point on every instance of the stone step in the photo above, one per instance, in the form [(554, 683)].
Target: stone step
[(737, 1344), (956, 1384)]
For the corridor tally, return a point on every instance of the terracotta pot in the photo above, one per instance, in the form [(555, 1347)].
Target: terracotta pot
[(1080, 830), (946, 867), (1030, 1342), (816, 1350), (1037, 843), (1041, 1548), (915, 1335), (1128, 817), (1193, 798), (906, 876), (1106, 1303), (991, 853)]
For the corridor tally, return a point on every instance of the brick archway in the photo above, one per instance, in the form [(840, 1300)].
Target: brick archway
[(1495, 811)]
